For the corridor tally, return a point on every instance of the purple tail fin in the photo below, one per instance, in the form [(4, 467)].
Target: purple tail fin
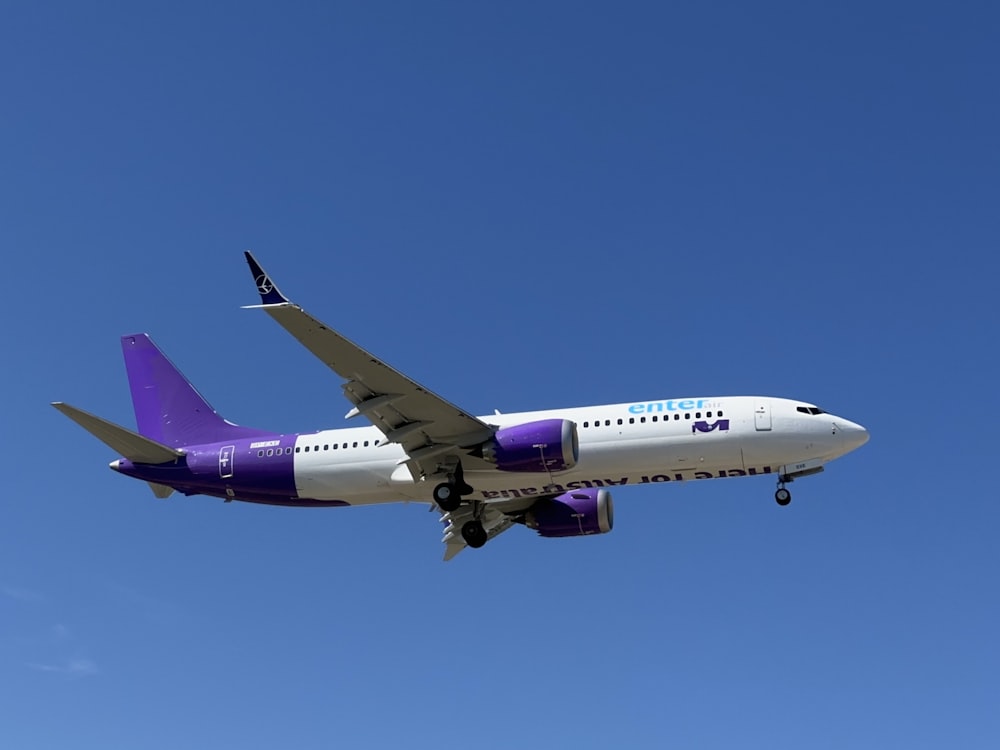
[(168, 409)]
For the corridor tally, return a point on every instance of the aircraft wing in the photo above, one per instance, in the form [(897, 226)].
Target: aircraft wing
[(430, 430)]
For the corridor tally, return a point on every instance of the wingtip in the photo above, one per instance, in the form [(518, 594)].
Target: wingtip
[(269, 293)]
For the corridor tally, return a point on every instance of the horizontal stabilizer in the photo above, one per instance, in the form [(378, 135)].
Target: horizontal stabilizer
[(131, 445), (161, 490)]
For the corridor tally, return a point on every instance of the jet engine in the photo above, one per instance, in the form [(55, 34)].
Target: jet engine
[(543, 446), (574, 513)]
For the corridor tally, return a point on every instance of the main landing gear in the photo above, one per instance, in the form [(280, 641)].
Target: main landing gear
[(448, 495), (474, 534)]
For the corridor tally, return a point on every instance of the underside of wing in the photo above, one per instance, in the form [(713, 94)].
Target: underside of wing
[(431, 430)]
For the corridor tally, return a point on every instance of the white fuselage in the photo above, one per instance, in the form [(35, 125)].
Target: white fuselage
[(620, 444)]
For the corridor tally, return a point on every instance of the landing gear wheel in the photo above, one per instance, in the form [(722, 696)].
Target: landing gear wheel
[(782, 496), (447, 497), (474, 534)]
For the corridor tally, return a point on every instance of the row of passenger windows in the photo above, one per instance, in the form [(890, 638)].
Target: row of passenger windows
[(597, 423), (654, 418), (314, 448), (274, 452)]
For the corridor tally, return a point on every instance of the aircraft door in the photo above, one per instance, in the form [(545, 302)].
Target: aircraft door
[(226, 454), (762, 416)]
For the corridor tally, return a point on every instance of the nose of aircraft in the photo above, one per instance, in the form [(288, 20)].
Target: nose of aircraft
[(853, 435)]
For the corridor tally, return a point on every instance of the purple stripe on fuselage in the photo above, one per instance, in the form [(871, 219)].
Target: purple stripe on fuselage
[(251, 473), (258, 470)]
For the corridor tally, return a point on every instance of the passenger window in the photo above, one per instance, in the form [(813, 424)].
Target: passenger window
[(619, 421), (260, 454), (366, 444), (655, 418), (270, 451), (642, 419), (631, 420), (719, 414), (344, 446), (586, 424), (326, 447), (698, 415), (355, 445), (607, 422), (307, 449), (709, 415), (677, 416), (687, 415)]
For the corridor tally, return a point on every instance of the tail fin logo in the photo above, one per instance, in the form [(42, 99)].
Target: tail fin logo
[(264, 284)]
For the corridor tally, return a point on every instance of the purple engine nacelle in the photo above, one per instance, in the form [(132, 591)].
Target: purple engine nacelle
[(544, 446), (574, 513)]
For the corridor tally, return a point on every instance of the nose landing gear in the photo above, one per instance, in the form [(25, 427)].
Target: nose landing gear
[(792, 472), (782, 496)]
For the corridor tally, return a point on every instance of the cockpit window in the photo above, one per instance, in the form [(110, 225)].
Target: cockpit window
[(809, 410)]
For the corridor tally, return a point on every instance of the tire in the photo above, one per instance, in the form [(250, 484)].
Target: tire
[(474, 534), (782, 497), (447, 497)]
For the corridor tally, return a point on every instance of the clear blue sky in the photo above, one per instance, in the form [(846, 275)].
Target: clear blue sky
[(521, 205)]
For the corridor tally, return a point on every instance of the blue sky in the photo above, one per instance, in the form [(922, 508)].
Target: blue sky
[(524, 206)]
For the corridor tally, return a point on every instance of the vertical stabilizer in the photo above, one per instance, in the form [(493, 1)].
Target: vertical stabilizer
[(168, 409)]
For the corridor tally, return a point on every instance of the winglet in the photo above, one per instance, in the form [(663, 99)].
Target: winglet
[(269, 294)]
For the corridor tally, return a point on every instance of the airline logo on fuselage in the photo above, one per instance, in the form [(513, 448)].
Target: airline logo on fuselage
[(722, 425), (655, 407)]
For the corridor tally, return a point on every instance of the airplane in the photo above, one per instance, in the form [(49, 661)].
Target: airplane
[(552, 471)]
